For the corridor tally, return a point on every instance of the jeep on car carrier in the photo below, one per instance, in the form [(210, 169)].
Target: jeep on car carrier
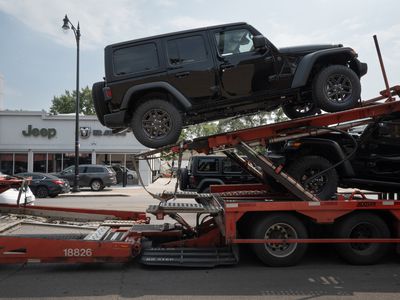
[(278, 225), (156, 85)]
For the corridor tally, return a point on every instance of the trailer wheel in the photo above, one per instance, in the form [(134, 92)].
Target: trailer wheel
[(359, 226), (279, 226)]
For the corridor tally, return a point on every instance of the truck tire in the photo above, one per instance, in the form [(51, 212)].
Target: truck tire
[(183, 179), (336, 88), (156, 123), (324, 186), (362, 225), (293, 111), (279, 226), (98, 101)]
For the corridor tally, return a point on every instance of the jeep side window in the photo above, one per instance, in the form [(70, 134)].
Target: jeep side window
[(135, 59), (234, 41), (229, 166), (186, 50), (208, 165)]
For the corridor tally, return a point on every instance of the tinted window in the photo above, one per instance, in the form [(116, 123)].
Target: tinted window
[(135, 59), (230, 166), (234, 41), (186, 50), (208, 165), (95, 170)]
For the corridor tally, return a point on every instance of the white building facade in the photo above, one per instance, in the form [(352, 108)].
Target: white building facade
[(38, 142)]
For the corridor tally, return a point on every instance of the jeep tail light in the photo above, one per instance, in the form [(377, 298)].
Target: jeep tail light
[(192, 181), (107, 93)]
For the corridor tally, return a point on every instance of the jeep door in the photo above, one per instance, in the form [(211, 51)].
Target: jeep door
[(190, 66), (379, 156), (242, 70)]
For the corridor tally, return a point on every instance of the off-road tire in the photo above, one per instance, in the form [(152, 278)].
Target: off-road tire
[(343, 85), (309, 165), (183, 179), (362, 225), (155, 113), (98, 101), (293, 111), (279, 226)]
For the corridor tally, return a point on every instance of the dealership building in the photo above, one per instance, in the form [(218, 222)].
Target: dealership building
[(39, 142)]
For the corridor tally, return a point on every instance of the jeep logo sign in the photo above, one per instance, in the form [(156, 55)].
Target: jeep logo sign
[(44, 132)]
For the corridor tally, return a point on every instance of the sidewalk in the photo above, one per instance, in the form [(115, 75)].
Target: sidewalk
[(158, 186)]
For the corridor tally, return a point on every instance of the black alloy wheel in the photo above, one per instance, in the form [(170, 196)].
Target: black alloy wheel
[(157, 123), (336, 88)]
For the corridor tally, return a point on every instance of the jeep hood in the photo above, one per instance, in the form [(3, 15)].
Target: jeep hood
[(298, 50)]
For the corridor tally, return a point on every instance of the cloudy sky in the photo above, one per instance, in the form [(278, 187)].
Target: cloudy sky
[(37, 59)]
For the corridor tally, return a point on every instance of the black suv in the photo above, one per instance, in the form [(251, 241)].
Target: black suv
[(157, 85), (374, 164), (203, 171)]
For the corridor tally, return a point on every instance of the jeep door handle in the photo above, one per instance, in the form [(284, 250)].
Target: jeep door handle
[(225, 67), (182, 74)]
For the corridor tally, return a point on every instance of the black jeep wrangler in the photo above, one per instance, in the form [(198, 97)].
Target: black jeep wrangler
[(374, 163), (203, 171), (157, 85)]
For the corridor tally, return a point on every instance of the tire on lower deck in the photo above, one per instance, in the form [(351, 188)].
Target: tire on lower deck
[(279, 226)]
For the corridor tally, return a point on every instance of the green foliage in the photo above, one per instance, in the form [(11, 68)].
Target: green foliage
[(65, 104), (232, 124)]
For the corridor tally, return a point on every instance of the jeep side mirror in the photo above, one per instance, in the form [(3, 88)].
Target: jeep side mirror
[(259, 42)]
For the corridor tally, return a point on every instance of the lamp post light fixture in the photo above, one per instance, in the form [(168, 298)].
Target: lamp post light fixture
[(77, 33)]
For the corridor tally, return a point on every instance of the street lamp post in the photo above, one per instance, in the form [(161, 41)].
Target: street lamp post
[(77, 33)]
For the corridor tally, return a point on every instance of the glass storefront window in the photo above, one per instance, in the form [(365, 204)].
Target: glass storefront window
[(20, 162), (39, 162), (6, 163), (69, 159), (54, 162)]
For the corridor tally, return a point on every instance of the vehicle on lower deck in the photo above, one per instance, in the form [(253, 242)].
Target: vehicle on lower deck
[(367, 158)]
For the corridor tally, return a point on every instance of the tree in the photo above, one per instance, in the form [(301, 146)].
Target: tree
[(65, 104)]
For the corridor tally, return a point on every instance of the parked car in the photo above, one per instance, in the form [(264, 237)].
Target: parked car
[(10, 195), (46, 185), (119, 170), (97, 177), (157, 85), (203, 171), (374, 166)]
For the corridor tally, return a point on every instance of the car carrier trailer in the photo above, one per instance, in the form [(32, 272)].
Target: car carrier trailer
[(278, 225)]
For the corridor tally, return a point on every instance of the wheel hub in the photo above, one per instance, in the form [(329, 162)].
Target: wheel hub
[(280, 231), (338, 88), (156, 123)]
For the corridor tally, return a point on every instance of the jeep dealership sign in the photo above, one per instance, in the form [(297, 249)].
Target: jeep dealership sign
[(44, 132)]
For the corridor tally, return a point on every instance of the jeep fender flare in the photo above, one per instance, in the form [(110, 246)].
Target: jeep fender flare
[(307, 63), (207, 182), (336, 153), (155, 85)]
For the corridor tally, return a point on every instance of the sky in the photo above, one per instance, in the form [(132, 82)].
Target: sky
[(38, 59)]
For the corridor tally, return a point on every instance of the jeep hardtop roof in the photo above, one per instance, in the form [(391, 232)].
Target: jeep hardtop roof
[(174, 33)]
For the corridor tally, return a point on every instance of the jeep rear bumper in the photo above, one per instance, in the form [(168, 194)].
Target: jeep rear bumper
[(115, 120)]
